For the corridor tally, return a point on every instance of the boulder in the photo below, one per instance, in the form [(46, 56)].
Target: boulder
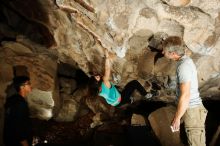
[(160, 122)]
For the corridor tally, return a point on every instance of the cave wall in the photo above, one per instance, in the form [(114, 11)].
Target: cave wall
[(42, 33), (78, 32)]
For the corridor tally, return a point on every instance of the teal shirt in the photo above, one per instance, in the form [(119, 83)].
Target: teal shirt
[(111, 95)]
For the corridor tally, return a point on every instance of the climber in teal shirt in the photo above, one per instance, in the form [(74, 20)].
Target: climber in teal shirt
[(111, 95), (102, 86)]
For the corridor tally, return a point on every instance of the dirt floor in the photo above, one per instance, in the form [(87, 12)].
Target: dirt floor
[(79, 133), (111, 133)]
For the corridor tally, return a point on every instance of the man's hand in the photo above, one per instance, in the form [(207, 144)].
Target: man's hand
[(175, 124)]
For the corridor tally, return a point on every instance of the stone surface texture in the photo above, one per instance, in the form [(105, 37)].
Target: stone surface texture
[(39, 36)]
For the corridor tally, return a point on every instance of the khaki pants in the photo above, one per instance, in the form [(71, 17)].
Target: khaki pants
[(194, 121)]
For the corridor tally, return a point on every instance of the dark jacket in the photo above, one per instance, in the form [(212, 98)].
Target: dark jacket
[(17, 123)]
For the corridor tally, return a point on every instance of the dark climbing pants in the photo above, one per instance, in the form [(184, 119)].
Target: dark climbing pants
[(129, 89)]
